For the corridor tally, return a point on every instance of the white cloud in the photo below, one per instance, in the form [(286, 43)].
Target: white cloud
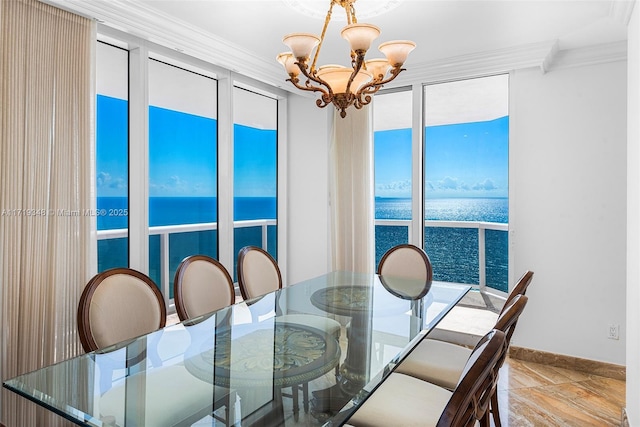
[(103, 178), (448, 183), (396, 185), (486, 185)]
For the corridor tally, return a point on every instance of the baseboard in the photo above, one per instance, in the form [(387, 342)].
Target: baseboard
[(625, 419), (594, 367)]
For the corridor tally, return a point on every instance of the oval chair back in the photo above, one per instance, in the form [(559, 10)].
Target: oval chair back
[(407, 261), (258, 272), (201, 285), (117, 305)]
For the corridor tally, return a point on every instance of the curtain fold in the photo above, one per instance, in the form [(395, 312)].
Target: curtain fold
[(46, 143), (351, 192)]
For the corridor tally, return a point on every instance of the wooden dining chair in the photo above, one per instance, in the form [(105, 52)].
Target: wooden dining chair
[(121, 304), (403, 400), (117, 305), (259, 274), (201, 285), (443, 363), (488, 316), (520, 288)]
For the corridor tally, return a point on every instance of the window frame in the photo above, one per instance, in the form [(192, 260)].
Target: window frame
[(140, 53)]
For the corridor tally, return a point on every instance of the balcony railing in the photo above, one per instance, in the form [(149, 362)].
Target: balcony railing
[(165, 231), (481, 226)]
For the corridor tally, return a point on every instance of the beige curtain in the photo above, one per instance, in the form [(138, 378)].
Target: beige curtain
[(351, 192), (45, 190)]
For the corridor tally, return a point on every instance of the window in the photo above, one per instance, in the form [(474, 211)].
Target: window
[(182, 169), (255, 151), (112, 145), (162, 143), (392, 164), (466, 204)]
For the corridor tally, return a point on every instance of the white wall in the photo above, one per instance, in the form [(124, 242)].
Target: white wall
[(633, 220), (567, 214), (308, 193)]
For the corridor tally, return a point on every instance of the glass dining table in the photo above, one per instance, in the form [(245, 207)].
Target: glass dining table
[(261, 362)]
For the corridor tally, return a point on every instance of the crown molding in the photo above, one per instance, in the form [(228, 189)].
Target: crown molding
[(590, 55), (478, 64), (547, 62), (147, 23), (621, 10)]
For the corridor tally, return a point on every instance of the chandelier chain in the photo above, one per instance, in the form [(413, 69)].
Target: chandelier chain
[(324, 31)]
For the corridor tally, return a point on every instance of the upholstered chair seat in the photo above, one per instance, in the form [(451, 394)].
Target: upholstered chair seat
[(330, 326), (443, 363), (436, 361), (403, 400), (171, 396), (447, 330), (419, 403)]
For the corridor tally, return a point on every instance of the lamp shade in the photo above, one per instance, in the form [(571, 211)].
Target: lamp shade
[(378, 67), (397, 51), (337, 77), (301, 44), (360, 36), (289, 63)]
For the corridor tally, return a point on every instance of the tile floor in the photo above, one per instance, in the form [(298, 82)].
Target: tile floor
[(531, 394)]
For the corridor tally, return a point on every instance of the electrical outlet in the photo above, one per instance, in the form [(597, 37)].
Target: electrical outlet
[(614, 332)]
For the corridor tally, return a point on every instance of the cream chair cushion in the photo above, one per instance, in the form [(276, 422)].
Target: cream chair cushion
[(205, 288), (405, 261), (406, 400), (330, 326), (437, 362), (259, 274), (171, 395), (123, 307)]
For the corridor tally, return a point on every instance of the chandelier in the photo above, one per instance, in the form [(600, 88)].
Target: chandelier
[(339, 85)]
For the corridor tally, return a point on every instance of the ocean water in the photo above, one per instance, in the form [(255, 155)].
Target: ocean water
[(183, 210), (452, 251)]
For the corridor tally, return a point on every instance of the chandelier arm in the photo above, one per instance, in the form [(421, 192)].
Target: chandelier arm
[(307, 86), (324, 31), (359, 102), (367, 89), (328, 92), (363, 97), (327, 95), (356, 69)]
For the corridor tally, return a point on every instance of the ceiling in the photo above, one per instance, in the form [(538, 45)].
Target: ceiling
[(245, 35)]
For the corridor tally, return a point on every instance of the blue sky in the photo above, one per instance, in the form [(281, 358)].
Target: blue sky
[(111, 147), (182, 154), (461, 160)]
